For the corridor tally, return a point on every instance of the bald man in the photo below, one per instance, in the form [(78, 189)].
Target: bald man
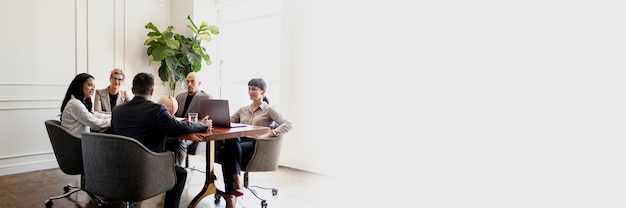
[(188, 102), (169, 103)]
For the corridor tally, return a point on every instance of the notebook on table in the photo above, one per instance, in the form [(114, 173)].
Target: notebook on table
[(218, 111)]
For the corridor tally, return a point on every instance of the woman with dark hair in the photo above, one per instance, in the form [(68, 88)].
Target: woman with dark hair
[(77, 109), (230, 155)]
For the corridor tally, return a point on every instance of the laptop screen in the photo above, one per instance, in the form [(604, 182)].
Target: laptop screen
[(218, 111)]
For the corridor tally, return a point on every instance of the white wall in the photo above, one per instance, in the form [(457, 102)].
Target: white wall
[(54, 41), (49, 44), (136, 15), (332, 59), (35, 78)]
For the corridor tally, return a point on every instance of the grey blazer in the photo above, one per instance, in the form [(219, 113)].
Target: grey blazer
[(194, 107), (103, 104)]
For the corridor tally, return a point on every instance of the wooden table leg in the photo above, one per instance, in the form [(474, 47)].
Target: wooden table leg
[(209, 181)]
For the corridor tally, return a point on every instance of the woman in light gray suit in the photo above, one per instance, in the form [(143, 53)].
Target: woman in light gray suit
[(112, 95)]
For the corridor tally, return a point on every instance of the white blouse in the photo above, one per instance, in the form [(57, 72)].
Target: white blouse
[(77, 119)]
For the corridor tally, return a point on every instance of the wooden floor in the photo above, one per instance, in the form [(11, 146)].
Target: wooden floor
[(296, 188)]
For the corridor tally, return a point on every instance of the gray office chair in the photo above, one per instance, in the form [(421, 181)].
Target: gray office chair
[(122, 169), (264, 159), (67, 150)]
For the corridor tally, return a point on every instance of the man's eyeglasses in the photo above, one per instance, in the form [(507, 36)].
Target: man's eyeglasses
[(117, 79)]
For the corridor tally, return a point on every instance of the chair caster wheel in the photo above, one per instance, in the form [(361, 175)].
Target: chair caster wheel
[(217, 199), (48, 203), (274, 191), (66, 189), (263, 204)]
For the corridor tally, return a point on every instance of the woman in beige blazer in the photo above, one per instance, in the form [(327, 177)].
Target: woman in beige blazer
[(107, 98)]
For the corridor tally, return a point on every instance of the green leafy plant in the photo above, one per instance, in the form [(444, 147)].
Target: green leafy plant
[(179, 55)]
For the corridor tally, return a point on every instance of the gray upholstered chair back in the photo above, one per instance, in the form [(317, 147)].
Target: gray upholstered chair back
[(121, 168), (266, 155), (68, 151), (67, 148)]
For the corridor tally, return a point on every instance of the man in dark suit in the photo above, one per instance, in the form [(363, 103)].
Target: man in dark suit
[(150, 123), (188, 102)]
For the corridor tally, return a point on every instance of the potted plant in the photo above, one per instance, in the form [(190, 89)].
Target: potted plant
[(178, 55)]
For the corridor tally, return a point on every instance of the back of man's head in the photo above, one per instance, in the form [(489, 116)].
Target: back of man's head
[(143, 83)]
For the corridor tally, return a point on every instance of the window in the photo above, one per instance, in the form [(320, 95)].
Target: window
[(249, 47)]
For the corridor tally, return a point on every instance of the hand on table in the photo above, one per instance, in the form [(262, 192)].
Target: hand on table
[(207, 121), (266, 135), (196, 136)]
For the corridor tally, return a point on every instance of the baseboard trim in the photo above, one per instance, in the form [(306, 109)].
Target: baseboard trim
[(46, 153), (23, 168), (27, 163)]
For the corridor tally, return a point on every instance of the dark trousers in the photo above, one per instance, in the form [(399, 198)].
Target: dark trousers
[(172, 197), (179, 147), (230, 156)]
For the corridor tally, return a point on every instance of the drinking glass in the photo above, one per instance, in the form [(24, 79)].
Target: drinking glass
[(193, 117)]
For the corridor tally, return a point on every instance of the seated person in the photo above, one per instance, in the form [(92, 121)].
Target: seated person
[(234, 151), (76, 109), (112, 95), (150, 123), (169, 103), (187, 103)]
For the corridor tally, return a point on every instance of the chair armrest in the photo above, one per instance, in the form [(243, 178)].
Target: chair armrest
[(266, 155), (155, 172)]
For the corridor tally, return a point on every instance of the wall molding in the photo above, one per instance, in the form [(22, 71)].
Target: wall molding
[(28, 167), (32, 84), (26, 155), (28, 99), (29, 108), (13, 164)]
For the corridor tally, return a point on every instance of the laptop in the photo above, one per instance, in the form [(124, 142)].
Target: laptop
[(218, 111)]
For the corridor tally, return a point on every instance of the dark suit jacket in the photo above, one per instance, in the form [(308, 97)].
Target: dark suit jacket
[(194, 107), (149, 123)]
